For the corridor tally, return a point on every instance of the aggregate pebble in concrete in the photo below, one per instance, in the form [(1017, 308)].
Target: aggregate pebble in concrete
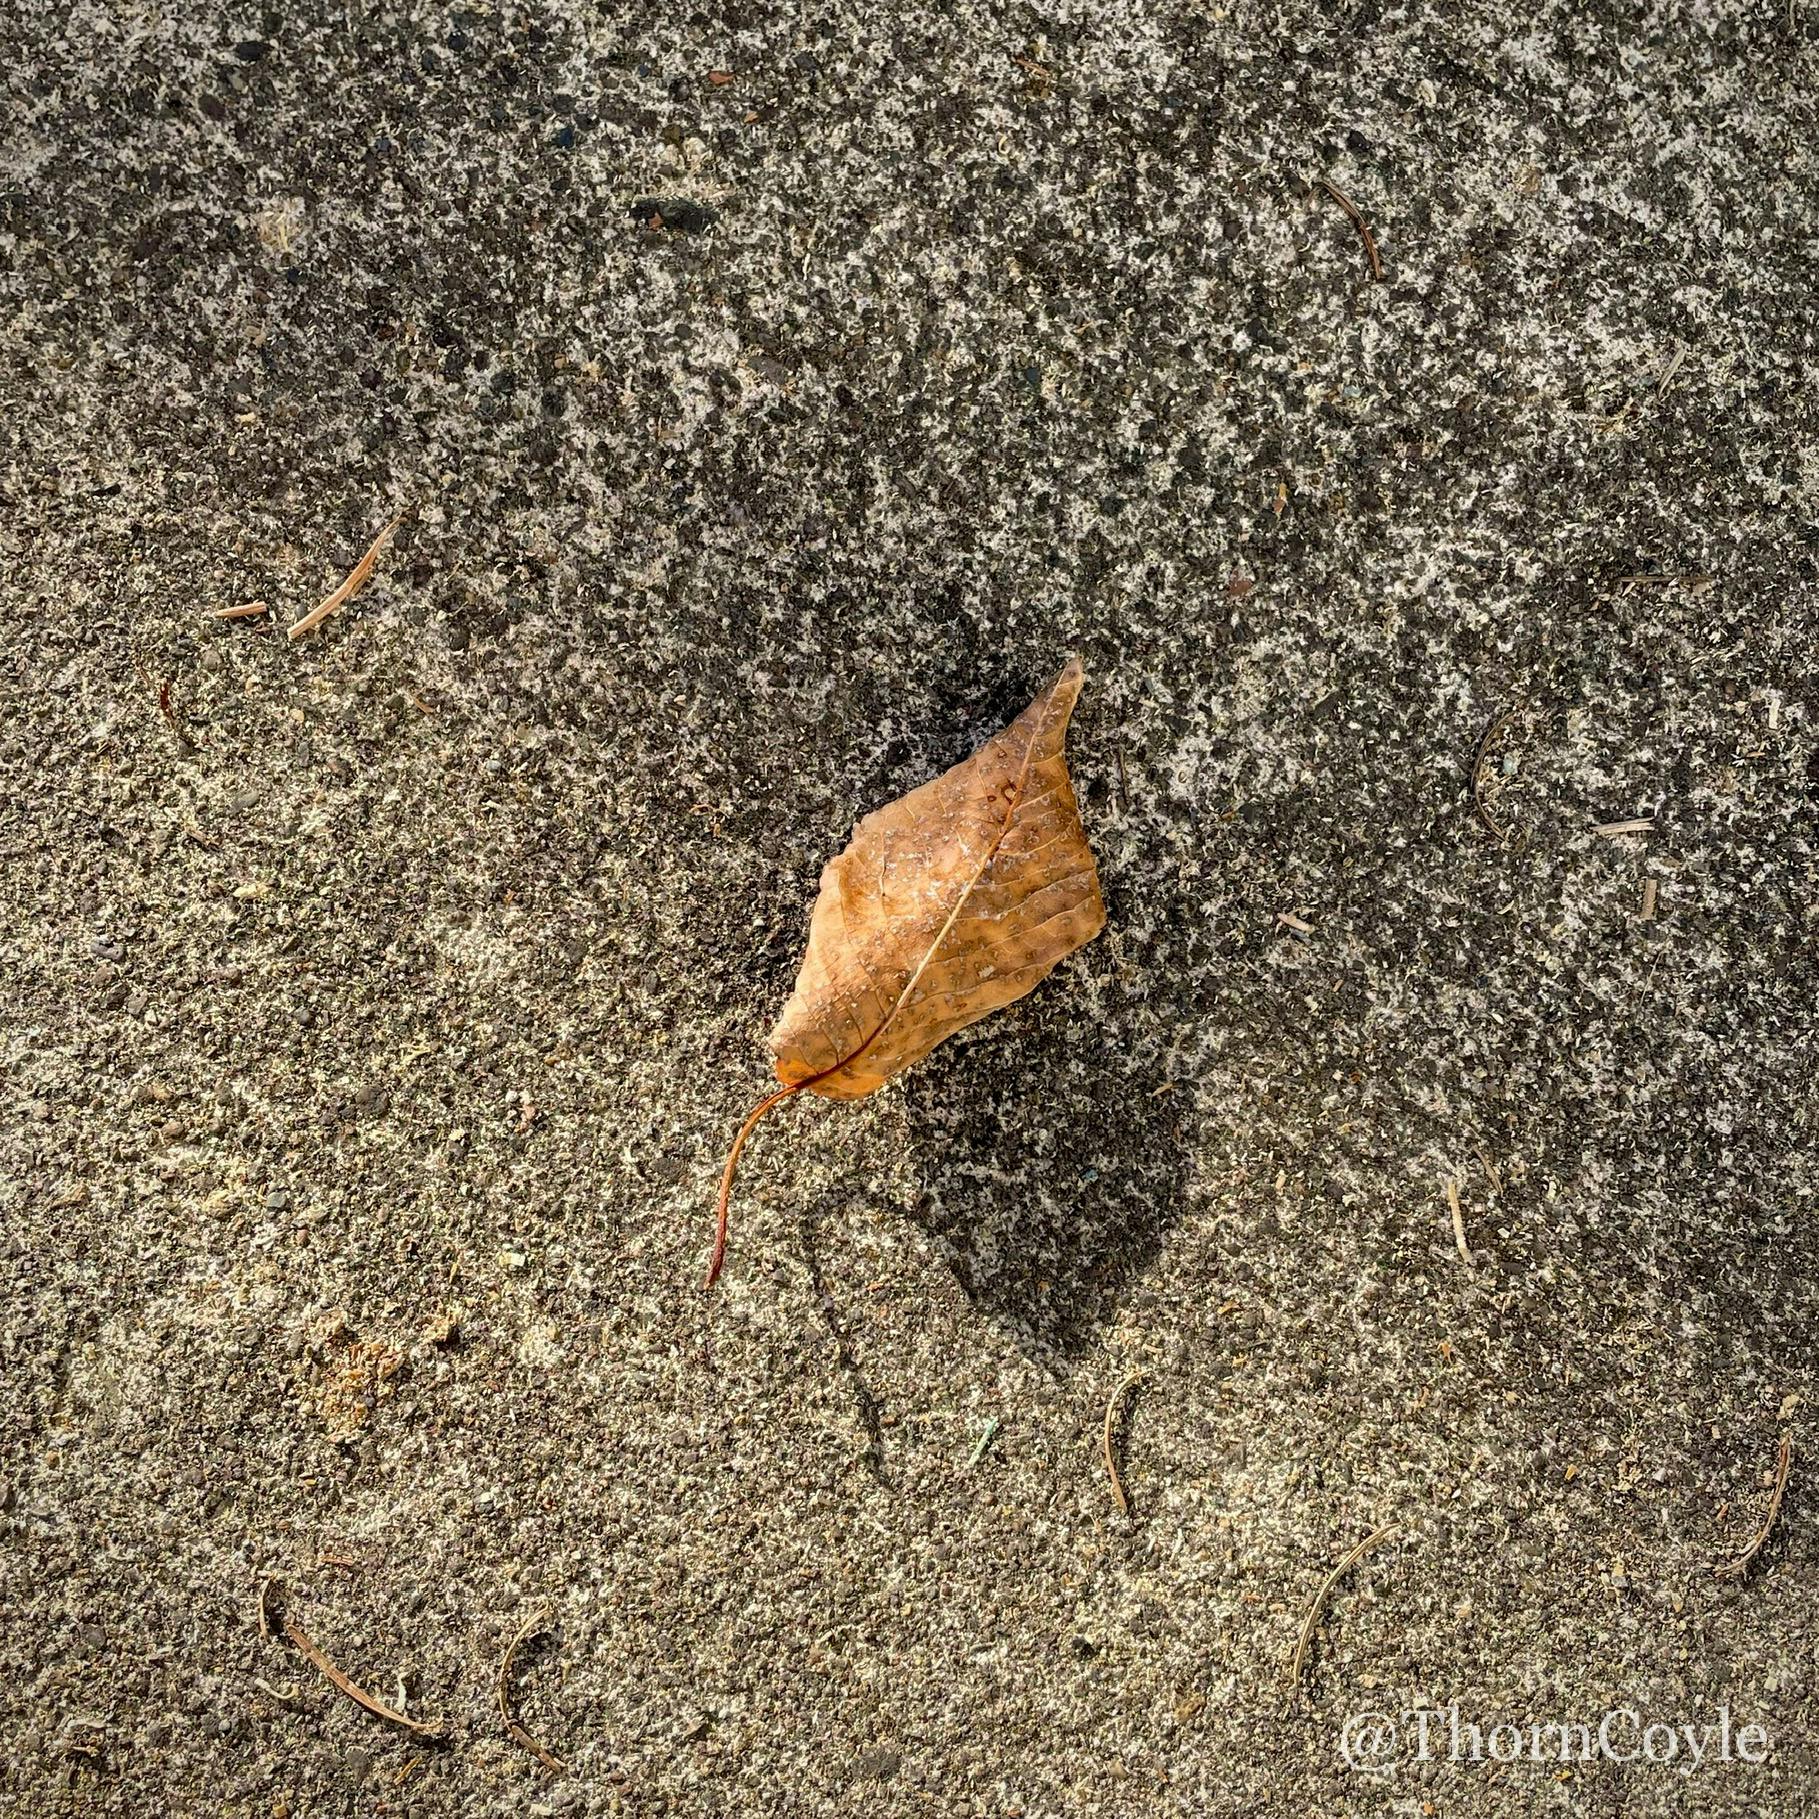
[(775, 398)]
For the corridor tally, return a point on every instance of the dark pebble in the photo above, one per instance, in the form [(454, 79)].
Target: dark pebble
[(653, 212), (877, 1765)]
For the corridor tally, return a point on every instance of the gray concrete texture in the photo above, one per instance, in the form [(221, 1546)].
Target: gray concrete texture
[(376, 1021)]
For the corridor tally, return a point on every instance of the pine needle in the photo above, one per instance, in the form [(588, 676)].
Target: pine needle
[(293, 1633), (1735, 1569), (1311, 1620), (357, 578), (517, 1732), (1111, 1421)]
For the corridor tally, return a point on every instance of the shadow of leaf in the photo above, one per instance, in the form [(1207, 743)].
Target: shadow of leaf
[(1052, 1171), (814, 1220)]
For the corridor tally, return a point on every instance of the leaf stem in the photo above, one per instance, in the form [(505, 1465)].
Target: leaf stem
[(732, 1163)]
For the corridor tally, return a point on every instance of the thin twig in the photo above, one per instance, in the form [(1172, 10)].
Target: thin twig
[(1452, 1200), (1642, 824), (357, 578), (168, 709), (1784, 1460), (1041, 78), (1359, 222), (1480, 758), (1490, 1170), (252, 609), (294, 1634), (1326, 1591), (518, 1733), (1111, 1421)]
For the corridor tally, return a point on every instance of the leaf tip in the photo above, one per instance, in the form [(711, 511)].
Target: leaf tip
[(1066, 687)]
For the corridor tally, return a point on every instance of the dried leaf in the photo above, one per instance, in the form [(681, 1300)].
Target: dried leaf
[(947, 904)]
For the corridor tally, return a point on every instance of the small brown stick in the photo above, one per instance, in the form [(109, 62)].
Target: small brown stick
[(253, 609), (1288, 919), (168, 709), (517, 1732), (1480, 758), (334, 1676), (1041, 80), (357, 578), (1359, 222), (1735, 1569), (1325, 1592), (1111, 1421), (1490, 1170), (1643, 824), (1452, 1200), (1648, 900)]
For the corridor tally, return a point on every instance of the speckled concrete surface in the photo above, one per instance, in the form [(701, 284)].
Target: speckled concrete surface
[(373, 1038)]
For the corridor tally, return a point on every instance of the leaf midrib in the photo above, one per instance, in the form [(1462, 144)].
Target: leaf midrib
[(960, 903)]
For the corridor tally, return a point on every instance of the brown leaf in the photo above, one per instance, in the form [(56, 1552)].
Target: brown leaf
[(947, 904), (950, 902)]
